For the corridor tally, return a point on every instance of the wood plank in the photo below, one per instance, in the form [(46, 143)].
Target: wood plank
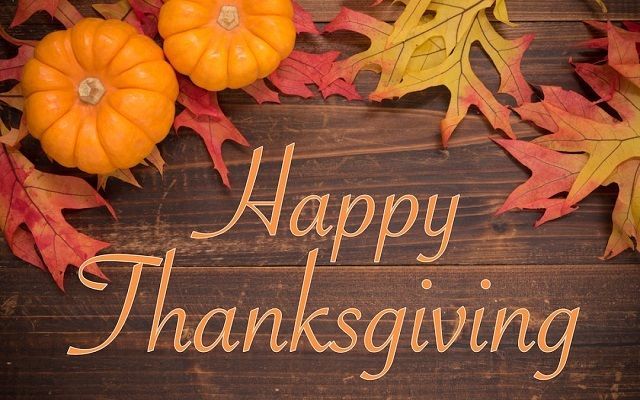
[(326, 10), (332, 154), (35, 331), (519, 10)]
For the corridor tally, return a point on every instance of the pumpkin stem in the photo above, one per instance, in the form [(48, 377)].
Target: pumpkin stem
[(91, 91), (228, 18)]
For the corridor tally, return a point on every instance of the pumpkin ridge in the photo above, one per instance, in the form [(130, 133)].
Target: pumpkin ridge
[(133, 66), (101, 137), (61, 116), (146, 134), (195, 27), (75, 144), (93, 49), (56, 69), (70, 81), (101, 141), (249, 28), (44, 132), (205, 48)]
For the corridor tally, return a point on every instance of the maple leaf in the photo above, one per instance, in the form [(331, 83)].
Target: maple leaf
[(302, 69), (586, 147), (303, 20), (12, 68), (121, 10), (62, 10), (31, 204), (429, 45), (204, 116), (262, 93), (12, 137)]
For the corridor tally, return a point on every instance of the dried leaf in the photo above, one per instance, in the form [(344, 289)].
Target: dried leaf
[(119, 10), (155, 158), (13, 98), (124, 175), (204, 116), (303, 20), (62, 10), (302, 69), (429, 45), (262, 93), (12, 137), (587, 147), (12, 68), (34, 200)]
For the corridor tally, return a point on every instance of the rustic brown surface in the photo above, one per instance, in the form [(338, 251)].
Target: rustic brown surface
[(341, 148)]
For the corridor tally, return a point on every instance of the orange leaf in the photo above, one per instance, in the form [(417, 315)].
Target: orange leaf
[(34, 200), (587, 147), (262, 93), (62, 10), (302, 69), (303, 20)]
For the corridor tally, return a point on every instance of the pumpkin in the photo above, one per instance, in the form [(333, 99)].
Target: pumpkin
[(223, 44), (99, 96)]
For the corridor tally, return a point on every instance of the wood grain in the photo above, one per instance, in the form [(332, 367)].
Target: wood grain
[(603, 359), (341, 148)]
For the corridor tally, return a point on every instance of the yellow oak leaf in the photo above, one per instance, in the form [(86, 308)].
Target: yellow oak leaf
[(429, 45)]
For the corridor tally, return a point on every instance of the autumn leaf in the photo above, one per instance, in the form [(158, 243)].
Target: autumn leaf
[(302, 69), (12, 68), (303, 20), (587, 147), (31, 204), (13, 97), (120, 10), (204, 116), (12, 137), (62, 10), (429, 45), (262, 93)]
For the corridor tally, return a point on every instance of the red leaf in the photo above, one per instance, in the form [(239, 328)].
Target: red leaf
[(119, 10), (214, 132), (62, 10), (204, 116), (67, 14), (26, 8), (12, 68), (302, 69), (147, 12), (262, 93), (11, 137), (586, 147), (303, 20), (199, 101), (35, 200), (552, 173), (13, 97)]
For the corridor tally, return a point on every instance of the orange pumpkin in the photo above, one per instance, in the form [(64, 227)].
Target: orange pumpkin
[(223, 44), (99, 96)]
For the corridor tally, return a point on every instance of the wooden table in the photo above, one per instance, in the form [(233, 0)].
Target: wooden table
[(341, 148)]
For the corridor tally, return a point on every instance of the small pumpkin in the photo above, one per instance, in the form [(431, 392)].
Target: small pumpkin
[(223, 44), (99, 96)]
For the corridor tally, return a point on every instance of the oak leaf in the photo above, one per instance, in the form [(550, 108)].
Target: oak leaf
[(429, 45), (204, 116), (62, 10), (587, 147), (31, 204)]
